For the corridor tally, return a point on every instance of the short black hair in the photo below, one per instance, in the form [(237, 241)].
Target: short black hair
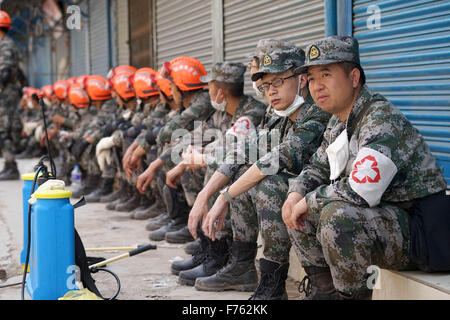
[(4, 29), (234, 89), (349, 66)]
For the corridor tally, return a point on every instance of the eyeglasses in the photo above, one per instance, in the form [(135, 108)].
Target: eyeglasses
[(275, 83)]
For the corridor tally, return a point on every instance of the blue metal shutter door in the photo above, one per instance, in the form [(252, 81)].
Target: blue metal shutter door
[(407, 59)]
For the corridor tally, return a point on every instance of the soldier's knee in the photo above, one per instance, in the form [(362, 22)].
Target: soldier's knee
[(337, 224)]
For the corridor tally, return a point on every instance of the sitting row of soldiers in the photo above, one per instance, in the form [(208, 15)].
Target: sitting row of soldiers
[(325, 165)]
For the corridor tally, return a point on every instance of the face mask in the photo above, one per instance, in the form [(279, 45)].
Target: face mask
[(259, 94), (219, 106), (338, 155), (298, 101)]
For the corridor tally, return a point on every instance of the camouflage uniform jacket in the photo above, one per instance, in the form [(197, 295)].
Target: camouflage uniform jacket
[(106, 115), (248, 107), (157, 117), (298, 140), (9, 58), (199, 109), (388, 160)]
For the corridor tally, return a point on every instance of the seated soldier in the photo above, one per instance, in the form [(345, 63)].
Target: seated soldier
[(256, 197), (346, 209)]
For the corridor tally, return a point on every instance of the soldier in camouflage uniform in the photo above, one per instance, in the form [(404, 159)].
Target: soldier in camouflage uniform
[(300, 124), (10, 90), (188, 93), (346, 210), (235, 115)]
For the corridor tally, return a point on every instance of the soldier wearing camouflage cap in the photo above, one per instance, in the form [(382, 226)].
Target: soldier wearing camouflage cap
[(346, 210), (257, 191), (236, 114)]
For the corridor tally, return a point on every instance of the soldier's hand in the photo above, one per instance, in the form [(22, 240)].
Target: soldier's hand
[(198, 212), (174, 174), (136, 158), (144, 179), (289, 214), (217, 214), (58, 119)]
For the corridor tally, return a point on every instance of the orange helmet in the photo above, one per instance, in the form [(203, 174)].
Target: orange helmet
[(5, 20), (60, 89), (81, 80), (185, 73), (163, 84), (121, 84), (78, 96), (97, 88), (144, 83), (47, 91), (28, 91), (71, 80), (113, 71)]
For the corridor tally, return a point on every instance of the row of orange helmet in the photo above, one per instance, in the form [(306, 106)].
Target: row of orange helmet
[(126, 82)]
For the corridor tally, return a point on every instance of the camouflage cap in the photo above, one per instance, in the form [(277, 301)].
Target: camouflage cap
[(228, 72), (279, 59), (331, 50), (268, 45)]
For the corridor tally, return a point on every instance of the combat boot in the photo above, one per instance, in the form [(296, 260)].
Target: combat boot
[(158, 207), (131, 204), (173, 225), (272, 285), (238, 274), (91, 183), (157, 222), (216, 257), (123, 186), (191, 247), (180, 236), (124, 197), (144, 204), (197, 258), (10, 171), (318, 284), (105, 189)]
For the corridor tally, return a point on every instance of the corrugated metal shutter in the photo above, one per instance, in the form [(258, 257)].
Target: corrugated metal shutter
[(246, 22), (79, 46), (183, 28), (123, 48), (408, 61), (98, 37), (140, 33)]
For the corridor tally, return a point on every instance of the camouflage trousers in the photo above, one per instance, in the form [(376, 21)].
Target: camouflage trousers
[(88, 161), (259, 210), (348, 239), (10, 124)]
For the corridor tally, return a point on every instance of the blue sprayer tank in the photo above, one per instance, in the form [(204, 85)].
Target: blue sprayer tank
[(26, 193), (52, 255)]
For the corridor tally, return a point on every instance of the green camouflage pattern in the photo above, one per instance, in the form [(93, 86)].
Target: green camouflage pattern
[(10, 124), (342, 231), (279, 60), (331, 50), (228, 72)]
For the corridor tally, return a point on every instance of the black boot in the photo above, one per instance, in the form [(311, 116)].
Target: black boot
[(10, 171), (238, 274), (126, 195), (180, 236), (157, 222), (131, 204), (90, 184), (173, 225), (197, 258), (123, 187), (318, 284), (272, 285), (158, 207), (191, 247), (105, 189), (216, 257)]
